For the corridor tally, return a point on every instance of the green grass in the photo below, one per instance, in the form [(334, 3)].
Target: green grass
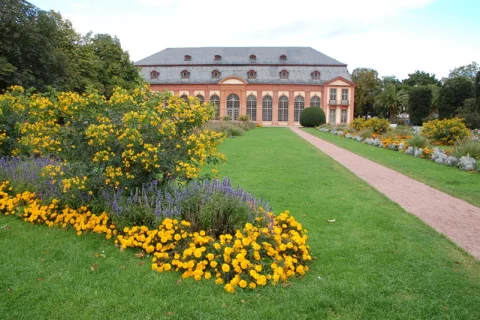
[(375, 262), (458, 183)]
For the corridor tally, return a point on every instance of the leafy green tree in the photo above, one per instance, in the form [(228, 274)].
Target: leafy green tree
[(477, 91), (368, 86), (453, 94), (419, 104), (41, 49), (112, 65), (468, 71), (420, 78), (391, 100), (469, 113)]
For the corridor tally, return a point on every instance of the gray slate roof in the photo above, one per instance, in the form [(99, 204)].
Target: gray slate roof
[(239, 55), (300, 63), (265, 74)]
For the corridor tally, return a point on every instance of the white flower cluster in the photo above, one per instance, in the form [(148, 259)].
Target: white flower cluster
[(467, 163)]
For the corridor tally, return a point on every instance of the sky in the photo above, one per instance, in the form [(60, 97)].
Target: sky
[(394, 37)]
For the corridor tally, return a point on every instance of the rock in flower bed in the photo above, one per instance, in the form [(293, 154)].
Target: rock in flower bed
[(436, 154)]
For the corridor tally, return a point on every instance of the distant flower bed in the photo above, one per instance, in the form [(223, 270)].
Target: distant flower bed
[(468, 162)]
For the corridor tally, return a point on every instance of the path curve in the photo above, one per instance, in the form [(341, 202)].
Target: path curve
[(453, 217)]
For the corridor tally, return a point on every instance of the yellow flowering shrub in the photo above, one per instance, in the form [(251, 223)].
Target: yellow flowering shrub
[(269, 251), (445, 132), (133, 137), (358, 124)]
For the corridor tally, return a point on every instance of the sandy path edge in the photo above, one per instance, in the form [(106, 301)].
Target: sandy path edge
[(453, 217)]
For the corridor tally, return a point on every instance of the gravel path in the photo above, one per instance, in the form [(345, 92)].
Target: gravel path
[(455, 218)]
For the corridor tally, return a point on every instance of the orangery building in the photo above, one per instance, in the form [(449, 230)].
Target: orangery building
[(272, 85)]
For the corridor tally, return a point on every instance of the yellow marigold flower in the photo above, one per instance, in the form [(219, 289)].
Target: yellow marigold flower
[(219, 281), (242, 284), (210, 256), (225, 267), (229, 288), (213, 264)]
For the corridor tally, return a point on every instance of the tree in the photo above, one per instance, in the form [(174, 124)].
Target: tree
[(477, 91), (112, 65), (452, 95), (391, 100), (419, 104), (41, 49), (469, 113), (368, 86), (468, 71), (420, 78)]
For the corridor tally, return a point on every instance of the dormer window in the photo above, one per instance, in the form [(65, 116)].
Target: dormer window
[(154, 74), (218, 58), (283, 57), (315, 75), (284, 74), (253, 57), (187, 58), (216, 74), (185, 74), (252, 74)]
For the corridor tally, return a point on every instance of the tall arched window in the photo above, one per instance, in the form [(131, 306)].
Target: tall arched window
[(252, 107), (215, 100), (200, 98), (184, 97), (267, 108), (233, 106), (283, 108), (315, 101), (299, 105)]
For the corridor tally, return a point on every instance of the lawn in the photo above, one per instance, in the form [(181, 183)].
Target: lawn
[(458, 183), (374, 262)]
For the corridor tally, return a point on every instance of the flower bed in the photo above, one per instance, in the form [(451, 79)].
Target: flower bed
[(268, 251), (436, 154), (138, 156)]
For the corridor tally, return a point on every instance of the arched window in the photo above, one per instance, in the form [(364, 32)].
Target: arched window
[(252, 107), (315, 101), (216, 74), (184, 97), (185, 74), (315, 75), (252, 74), (283, 57), (233, 106), (154, 74), (283, 108), (215, 100), (299, 105), (187, 58), (218, 58), (253, 57), (284, 74), (267, 108), (200, 98)]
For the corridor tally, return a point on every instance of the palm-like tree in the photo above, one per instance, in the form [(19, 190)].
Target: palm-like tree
[(392, 100)]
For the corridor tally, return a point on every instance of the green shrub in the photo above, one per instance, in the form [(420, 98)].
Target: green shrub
[(358, 124), (403, 131), (244, 117), (467, 147), (378, 125), (226, 118), (445, 132), (312, 117), (366, 133), (229, 128), (418, 141)]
